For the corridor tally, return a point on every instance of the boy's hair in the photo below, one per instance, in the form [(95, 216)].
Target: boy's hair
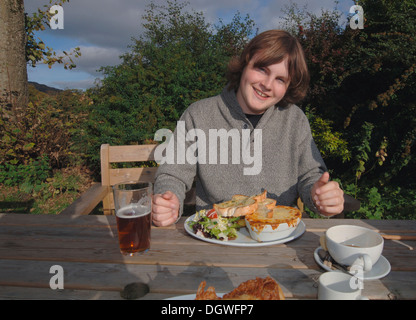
[(272, 47)]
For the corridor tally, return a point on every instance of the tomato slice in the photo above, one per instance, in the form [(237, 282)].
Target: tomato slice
[(212, 214)]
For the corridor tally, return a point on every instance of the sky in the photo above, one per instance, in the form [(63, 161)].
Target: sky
[(103, 29)]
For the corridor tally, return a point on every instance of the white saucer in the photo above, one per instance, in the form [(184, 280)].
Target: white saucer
[(380, 269)]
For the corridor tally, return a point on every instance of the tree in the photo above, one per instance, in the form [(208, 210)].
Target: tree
[(385, 52), (36, 50), (30, 129), (179, 59), (18, 46), (363, 81), (13, 73)]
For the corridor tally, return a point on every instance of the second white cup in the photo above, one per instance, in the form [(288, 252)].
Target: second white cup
[(339, 286)]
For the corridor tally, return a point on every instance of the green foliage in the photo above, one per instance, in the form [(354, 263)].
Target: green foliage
[(35, 188), (362, 148), (180, 59), (48, 126), (329, 143), (363, 83), (38, 180), (32, 174), (383, 203), (36, 50), (360, 105), (325, 49)]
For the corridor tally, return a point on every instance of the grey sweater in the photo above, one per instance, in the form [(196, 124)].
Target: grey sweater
[(279, 155)]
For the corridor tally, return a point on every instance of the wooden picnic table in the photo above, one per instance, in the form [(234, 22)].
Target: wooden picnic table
[(86, 248)]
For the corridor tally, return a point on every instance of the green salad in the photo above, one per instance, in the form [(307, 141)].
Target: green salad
[(208, 224)]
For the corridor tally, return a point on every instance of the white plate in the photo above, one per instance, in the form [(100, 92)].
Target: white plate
[(190, 297), (243, 237), (380, 269)]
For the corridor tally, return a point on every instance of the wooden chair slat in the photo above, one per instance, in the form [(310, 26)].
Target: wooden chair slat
[(134, 153), (132, 174)]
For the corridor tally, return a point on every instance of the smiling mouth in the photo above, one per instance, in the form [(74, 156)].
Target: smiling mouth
[(261, 94)]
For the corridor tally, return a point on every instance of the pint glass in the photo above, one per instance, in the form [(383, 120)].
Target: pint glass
[(133, 207)]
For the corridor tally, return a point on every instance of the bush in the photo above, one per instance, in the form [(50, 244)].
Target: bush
[(30, 176), (389, 202), (330, 143), (47, 127), (180, 59), (363, 84), (37, 186)]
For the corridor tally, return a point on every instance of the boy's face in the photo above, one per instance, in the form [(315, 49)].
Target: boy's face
[(261, 88)]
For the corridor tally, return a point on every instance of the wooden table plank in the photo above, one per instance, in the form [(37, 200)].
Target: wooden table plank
[(87, 249), (99, 244), (179, 280), (25, 293), (103, 247)]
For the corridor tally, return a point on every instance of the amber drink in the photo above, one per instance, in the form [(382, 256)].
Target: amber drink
[(133, 213)]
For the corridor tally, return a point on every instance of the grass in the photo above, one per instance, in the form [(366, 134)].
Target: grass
[(12, 200), (51, 197)]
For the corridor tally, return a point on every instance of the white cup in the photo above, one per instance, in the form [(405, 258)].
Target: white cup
[(337, 285), (354, 246)]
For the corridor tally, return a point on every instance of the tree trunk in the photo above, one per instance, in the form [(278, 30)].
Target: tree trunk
[(13, 70)]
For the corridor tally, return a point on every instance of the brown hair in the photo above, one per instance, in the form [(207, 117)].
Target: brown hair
[(272, 47)]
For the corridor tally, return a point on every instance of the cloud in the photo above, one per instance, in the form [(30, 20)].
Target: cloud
[(93, 58), (75, 84), (112, 23), (106, 23), (104, 28)]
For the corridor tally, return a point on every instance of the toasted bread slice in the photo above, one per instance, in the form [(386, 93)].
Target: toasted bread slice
[(268, 203), (236, 207), (264, 208), (261, 196), (239, 197)]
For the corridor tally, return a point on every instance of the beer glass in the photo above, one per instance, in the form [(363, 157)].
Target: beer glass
[(133, 207)]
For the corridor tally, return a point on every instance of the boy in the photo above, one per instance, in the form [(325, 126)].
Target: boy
[(264, 83)]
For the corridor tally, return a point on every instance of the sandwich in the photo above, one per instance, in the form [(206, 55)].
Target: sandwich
[(258, 213), (224, 220)]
